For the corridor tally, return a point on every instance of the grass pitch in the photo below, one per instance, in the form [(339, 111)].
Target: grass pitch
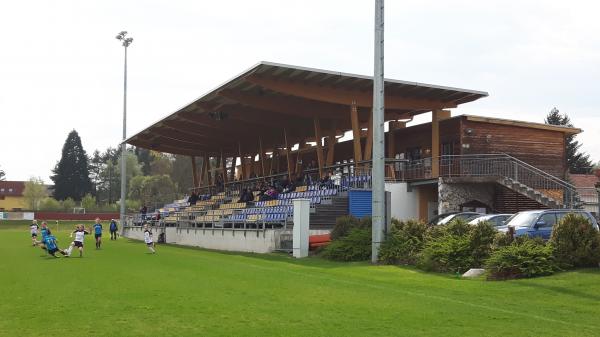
[(123, 291)]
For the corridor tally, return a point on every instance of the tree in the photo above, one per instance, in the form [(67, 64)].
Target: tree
[(182, 173), (145, 159), (577, 162), (2, 175), (153, 190), (35, 191), (71, 174), (88, 202), (161, 164), (96, 164)]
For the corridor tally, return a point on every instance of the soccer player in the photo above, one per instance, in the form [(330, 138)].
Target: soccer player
[(80, 233), (98, 233), (34, 231), (148, 239), (113, 229), (45, 232), (52, 246)]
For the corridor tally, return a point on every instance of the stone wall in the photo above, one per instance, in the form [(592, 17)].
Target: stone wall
[(453, 193)]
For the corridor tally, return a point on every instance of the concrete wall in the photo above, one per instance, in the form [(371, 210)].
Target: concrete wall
[(405, 204), (227, 240)]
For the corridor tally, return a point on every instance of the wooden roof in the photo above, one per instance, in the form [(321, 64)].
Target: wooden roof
[(266, 99)]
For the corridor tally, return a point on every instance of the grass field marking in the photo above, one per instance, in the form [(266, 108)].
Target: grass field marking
[(419, 294)]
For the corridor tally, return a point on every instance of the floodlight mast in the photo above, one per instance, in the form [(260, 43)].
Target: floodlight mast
[(126, 43), (378, 166)]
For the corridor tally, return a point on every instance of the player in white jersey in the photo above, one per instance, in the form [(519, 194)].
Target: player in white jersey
[(33, 229), (148, 239), (79, 233)]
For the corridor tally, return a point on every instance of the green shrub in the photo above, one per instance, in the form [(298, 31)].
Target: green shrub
[(343, 225), (576, 242), (447, 253), (356, 246), (404, 242), (502, 240), (524, 257), (481, 237)]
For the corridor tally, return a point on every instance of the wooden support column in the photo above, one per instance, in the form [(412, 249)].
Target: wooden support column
[(194, 172), (242, 164), (261, 156), (223, 167), (287, 155), (435, 143), (355, 132), (204, 173), (369, 143), (331, 140), (318, 137)]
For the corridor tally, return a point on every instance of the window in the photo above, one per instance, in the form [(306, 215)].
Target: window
[(10, 190), (549, 220)]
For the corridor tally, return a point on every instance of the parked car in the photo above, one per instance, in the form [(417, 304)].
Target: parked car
[(496, 220), (466, 216), (439, 217), (539, 223)]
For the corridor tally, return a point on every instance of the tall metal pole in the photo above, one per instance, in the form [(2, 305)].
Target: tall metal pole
[(378, 167), (123, 147), (126, 43)]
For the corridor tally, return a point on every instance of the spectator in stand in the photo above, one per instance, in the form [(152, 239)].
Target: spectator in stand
[(291, 186), (246, 196), (270, 194), (219, 183), (143, 211), (193, 198), (326, 182)]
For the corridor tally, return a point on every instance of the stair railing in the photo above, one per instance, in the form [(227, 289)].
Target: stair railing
[(508, 167)]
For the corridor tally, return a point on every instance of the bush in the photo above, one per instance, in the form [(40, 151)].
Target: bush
[(50, 204), (524, 257), (576, 243), (481, 237), (355, 246), (447, 253), (342, 227), (404, 242)]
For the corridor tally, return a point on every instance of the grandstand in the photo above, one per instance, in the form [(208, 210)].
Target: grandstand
[(282, 133)]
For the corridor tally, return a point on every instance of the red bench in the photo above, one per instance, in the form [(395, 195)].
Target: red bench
[(316, 241)]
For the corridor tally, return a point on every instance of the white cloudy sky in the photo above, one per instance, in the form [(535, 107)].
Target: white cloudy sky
[(61, 68)]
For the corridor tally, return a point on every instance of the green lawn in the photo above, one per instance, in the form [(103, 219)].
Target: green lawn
[(123, 291)]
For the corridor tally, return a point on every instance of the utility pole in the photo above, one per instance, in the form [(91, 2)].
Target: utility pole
[(126, 43), (378, 166)]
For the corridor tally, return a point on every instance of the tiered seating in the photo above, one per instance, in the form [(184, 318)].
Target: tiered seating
[(233, 205)]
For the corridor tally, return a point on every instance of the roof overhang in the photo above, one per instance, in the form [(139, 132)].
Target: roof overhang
[(531, 125), (263, 101)]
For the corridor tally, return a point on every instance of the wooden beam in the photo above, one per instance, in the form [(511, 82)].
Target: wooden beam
[(261, 156), (355, 132), (242, 164), (435, 143), (223, 168), (287, 155), (204, 175), (331, 140), (369, 141), (318, 137), (342, 96), (194, 172)]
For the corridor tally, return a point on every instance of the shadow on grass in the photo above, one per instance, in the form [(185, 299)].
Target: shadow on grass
[(313, 261), (570, 291)]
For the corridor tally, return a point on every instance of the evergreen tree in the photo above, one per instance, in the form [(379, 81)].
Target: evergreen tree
[(145, 158), (577, 162), (71, 174), (2, 175)]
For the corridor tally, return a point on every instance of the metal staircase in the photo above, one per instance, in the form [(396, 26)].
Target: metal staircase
[(515, 175)]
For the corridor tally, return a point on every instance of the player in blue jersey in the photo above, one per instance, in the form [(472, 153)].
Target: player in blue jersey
[(52, 246), (45, 232), (98, 233)]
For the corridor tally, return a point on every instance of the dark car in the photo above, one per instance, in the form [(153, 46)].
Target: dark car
[(539, 223)]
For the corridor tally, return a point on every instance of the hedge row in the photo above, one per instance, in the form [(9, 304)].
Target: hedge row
[(458, 246)]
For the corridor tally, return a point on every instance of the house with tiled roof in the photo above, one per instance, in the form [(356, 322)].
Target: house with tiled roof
[(11, 196), (585, 184)]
